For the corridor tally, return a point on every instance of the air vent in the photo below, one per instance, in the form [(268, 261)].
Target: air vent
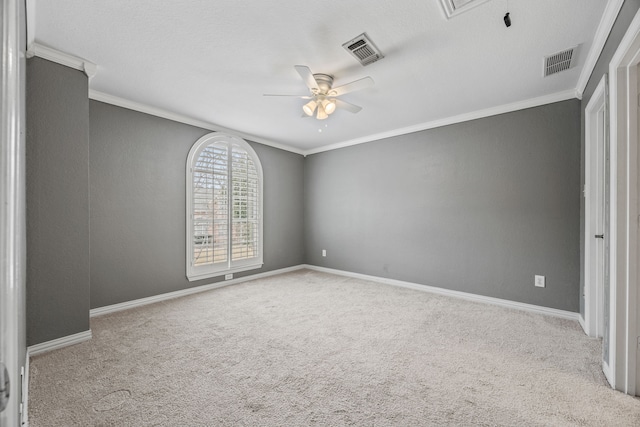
[(559, 61), (455, 7), (363, 49)]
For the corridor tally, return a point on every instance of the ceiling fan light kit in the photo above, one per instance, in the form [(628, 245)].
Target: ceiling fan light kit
[(324, 97), (321, 115), (329, 105), (310, 107)]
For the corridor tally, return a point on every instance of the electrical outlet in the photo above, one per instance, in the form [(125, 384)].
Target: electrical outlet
[(324, 252), (539, 281), (228, 276)]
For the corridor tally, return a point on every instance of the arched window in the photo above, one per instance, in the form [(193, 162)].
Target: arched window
[(224, 207)]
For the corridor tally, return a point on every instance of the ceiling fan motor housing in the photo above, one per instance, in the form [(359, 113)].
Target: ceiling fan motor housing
[(325, 81)]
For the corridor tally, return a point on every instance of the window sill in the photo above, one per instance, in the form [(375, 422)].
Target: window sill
[(210, 274)]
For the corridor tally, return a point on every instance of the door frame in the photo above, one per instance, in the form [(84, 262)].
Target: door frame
[(594, 153), (12, 205), (624, 210)]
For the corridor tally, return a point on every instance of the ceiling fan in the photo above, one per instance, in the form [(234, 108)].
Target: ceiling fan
[(324, 98)]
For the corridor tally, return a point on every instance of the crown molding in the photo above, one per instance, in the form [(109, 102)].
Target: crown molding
[(493, 111), (611, 11), (90, 70), (62, 58), (165, 114), (169, 115)]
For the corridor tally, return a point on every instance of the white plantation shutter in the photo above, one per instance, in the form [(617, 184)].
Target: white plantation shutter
[(224, 207), (210, 210), (244, 204)]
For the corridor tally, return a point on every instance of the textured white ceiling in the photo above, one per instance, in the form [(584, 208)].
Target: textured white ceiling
[(212, 60)]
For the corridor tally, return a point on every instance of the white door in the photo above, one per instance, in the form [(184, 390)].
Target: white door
[(595, 175), (596, 273), (600, 231), (604, 290)]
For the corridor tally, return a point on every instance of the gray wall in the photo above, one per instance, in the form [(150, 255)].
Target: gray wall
[(137, 175), (478, 207), (626, 15), (57, 114)]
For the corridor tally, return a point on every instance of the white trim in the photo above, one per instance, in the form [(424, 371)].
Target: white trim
[(455, 294), (592, 202), (184, 292), (30, 10), (493, 111), (624, 211), (425, 288), (90, 69), (611, 11), (25, 391), (583, 324), (192, 277), (62, 58), (169, 115), (488, 112), (12, 202), (33, 350), (228, 143)]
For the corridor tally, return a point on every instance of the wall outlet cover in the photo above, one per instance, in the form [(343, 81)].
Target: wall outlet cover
[(324, 252), (539, 281), (228, 276)]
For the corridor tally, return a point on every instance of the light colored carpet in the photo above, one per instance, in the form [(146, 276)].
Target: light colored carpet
[(308, 348)]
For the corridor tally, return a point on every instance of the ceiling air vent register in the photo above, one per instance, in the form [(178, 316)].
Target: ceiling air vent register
[(363, 49), (455, 7), (559, 61)]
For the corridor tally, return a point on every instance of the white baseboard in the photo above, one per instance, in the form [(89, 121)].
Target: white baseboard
[(32, 350), (176, 294), (583, 324), (83, 336), (44, 347), (456, 294)]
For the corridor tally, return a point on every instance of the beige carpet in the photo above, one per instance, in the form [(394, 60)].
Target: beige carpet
[(309, 348)]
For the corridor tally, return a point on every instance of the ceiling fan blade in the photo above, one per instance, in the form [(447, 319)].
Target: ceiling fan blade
[(292, 96), (362, 83), (347, 106), (307, 77)]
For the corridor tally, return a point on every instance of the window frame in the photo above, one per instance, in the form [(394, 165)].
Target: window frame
[(194, 272)]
